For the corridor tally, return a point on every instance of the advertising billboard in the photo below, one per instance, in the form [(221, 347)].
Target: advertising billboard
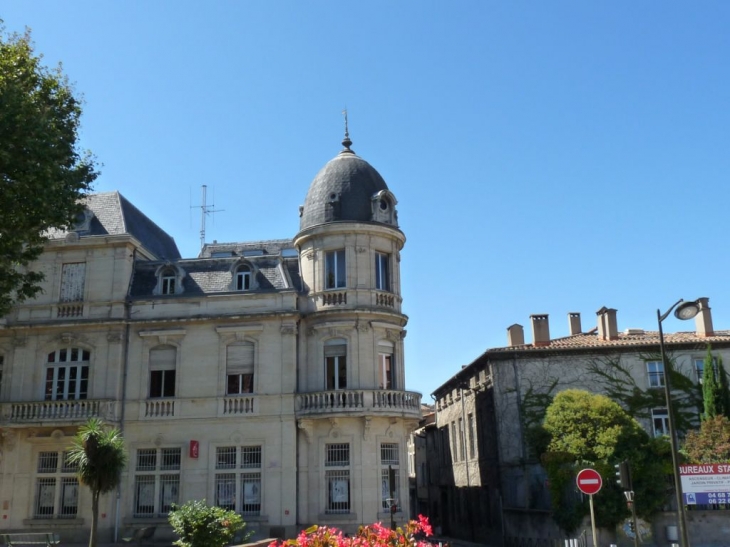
[(705, 483)]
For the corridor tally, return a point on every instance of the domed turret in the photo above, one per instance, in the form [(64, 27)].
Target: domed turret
[(348, 189)]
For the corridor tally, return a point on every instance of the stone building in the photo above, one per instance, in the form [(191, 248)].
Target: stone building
[(266, 377), (485, 466)]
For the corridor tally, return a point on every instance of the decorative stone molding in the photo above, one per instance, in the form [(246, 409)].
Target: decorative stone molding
[(163, 336), (20, 341), (57, 435), (309, 255), (236, 438), (362, 326), (397, 256), (393, 335), (367, 422), (360, 250), (240, 332), (306, 426), (114, 337), (288, 328), (71, 237), (403, 334)]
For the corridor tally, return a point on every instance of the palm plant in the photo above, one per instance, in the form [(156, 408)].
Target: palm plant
[(99, 453)]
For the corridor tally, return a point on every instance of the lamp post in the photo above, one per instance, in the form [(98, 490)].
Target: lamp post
[(687, 310)]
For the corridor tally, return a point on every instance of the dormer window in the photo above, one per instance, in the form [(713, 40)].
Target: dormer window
[(243, 278), (169, 280), (383, 207)]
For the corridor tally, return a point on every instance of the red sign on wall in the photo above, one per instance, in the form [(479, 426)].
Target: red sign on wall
[(194, 449)]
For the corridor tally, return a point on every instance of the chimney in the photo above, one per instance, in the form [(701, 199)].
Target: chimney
[(574, 323), (607, 326), (515, 335), (703, 320), (540, 330)]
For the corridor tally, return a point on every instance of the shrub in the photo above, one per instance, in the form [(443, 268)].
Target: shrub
[(199, 525)]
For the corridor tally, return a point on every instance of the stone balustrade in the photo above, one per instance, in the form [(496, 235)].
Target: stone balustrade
[(58, 411), (359, 401)]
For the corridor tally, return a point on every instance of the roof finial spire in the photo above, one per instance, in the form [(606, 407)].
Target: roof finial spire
[(346, 142)]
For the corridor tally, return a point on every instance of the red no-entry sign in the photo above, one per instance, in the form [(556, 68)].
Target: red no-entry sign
[(589, 481)]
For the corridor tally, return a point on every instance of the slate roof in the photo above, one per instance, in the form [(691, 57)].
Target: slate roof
[(214, 276), (352, 180), (115, 215)]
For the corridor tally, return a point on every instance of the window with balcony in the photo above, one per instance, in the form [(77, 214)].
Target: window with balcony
[(67, 374), (389, 474), (239, 368), (73, 278), (335, 269), (337, 477), (57, 488), (238, 479), (156, 481), (655, 373), (385, 369), (382, 271), (335, 361), (163, 364)]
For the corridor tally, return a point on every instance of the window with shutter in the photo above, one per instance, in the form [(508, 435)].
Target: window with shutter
[(73, 277), (239, 368), (162, 371)]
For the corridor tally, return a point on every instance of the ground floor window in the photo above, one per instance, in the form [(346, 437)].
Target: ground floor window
[(389, 474), (239, 487), (57, 488), (156, 481), (337, 477)]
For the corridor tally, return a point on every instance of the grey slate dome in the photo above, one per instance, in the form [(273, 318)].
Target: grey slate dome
[(345, 190)]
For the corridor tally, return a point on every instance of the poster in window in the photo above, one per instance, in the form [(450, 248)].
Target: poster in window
[(146, 495), (169, 494), (227, 494), (340, 491), (70, 495), (46, 493), (251, 493)]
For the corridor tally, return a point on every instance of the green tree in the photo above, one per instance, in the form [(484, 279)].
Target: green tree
[(43, 174), (711, 388), (100, 456), (711, 444), (590, 430), (199, 525)]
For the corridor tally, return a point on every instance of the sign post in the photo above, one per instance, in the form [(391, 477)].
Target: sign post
[(589, 482)]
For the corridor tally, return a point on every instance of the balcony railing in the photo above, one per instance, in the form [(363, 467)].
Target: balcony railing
[(58, 411), (359, 401)]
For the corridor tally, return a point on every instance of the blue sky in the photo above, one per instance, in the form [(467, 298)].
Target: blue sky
[(548, 157)]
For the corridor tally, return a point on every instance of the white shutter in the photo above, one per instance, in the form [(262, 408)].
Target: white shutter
[(239, 358), (163, 358), (73, 277)]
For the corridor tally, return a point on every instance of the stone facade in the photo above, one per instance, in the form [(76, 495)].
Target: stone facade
[(267, 377), (512, 381)]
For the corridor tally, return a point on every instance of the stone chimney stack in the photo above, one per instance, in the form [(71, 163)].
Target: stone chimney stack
[(515, 335), (540, 330), (703, 320), (607, 325), (574, 323)]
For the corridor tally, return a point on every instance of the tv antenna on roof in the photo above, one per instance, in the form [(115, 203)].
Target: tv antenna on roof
[(205, 210)]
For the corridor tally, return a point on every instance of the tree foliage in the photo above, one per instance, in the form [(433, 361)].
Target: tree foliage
[(42, 172), (200, 525), (711, 444), (100, 456), (590, 430), (715, 394)]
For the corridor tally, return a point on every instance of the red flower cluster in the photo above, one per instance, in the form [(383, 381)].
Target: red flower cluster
[(373, 535)]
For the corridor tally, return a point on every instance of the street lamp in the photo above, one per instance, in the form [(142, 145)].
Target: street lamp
[(687, 310)]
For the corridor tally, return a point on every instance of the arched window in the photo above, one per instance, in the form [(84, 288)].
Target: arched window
[(163, 361), (335, 364), (243, 278), (67, 374)]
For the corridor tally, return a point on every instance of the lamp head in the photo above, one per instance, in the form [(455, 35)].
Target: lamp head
[(687, 310)]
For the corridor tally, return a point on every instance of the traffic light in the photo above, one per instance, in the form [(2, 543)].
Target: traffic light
[(623, 475)]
